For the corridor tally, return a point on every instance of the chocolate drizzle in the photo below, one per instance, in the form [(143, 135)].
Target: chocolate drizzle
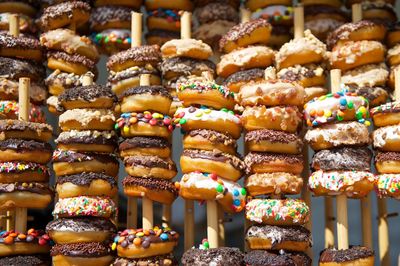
[(345, 255), (81, 224), (74, 58), (282, 258), (87, 93), (143, 142), (186, 66), (105, 14), (213, 256), (387, 156), (264, 157), (245, 75), (272, 136), (37, 188), (91, 250), (157, 184), (279, 234), (6, 125), (346, 158), (85, 179), (150, 162), (214, 137), (12, 68), (21, 145), (215, 156), (153, 90), (144, 54)]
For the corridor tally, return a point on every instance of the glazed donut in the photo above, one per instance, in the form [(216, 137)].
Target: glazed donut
[(80, 230), (393, 37), (340, 106), (164, 19), (212, 256), (110, 17), (301, 51), (146, 146), (16, 129), (264, 257), (224, 121), (367, 75), (379, 10), (314, 92), (354, 184), (356, 255), (58, 82), (204, 186), (386, 114), (71, 162), (145, 98), (263, 162), (25, 195), (235, 81), (276, 183), (275, 14), (135, 56), (271, 93), (76, 63), (32, 242), (23, 172), (150, 166), (25, 7), (64, 14), (387, 185), (287, 119), (20, 47), (136, 4), (354, 54), (20, 150), (155, 189), (13, 69), (309, 75), (9, 91), (387, 162), (89, 254), (336, 135), (245, 58), (393, 57), (83, 206), (87, 119), (10, 110), (26, 259), (269, 237), (245, 34), (145, 124), (177, 66), (345, 158), (363, 30), (67, 41), (159, 37), (209, 140), (191, 48), (112, 41), (156, 260), (225, 165), (267, 140), (205, 93), (212, 32)]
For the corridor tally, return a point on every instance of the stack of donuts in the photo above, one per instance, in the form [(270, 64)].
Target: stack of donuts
[(86, 170), (110, 24), (26, 10), (69, 55), (378, 11), (279, 14)]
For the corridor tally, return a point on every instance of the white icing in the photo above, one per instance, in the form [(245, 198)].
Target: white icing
[(183, 46), (86, 133), (242, 57), (207, 115), (85, 116), (383, 134)]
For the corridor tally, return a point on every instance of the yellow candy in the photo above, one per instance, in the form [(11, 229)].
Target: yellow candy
[(327, 113), (126, 130), (207, 111), (362, 109), (367, 123), (114, 246)]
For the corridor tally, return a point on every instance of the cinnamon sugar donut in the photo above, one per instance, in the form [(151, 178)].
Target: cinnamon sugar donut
[(276, 183), (191, 48)]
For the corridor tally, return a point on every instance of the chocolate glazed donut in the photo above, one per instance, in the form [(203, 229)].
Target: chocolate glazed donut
[(345, 158), (355, 255)]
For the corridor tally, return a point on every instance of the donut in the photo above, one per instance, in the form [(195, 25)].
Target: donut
[(367, 75), (87, 119), (276, 183), (204, 186), (178, 66), (54, 106), (224, 121), (345, 158), (164, 19), (31, 242), (287, 119), (225, 165), (212, 256), (25, 7), (264, 257), (337, 107), (112, 41), (71, 162), (145, 124), (191, 48), (275, 14), (267, 140), (212, 32), (25, 195), (387, 185), (216, 11), (301, 51), (83, 206), (155, 189), (67, 41), (386, 114), (236, 80), (146, 146), (356, 255), (379, 10), (313, 92), (57, 82), (135, 56), (354, 54), (20, 47), (392, 36), (19, 150), (145, 98), (387, 162), (14, 68), (150, 166), (271, 93), (209, 140), (375, 95), (336, 135), (10, 110), (110, 17), (269, 237), (159, 37), (16, 129), (80, 230), (133, 4), (26, 260), (89, 254), (391, 80), (309, 75), (206, 93), (156, 260), (256, 56), (64, 14), (392, 55), (23, 172), (263, 162), (75, 63), (86, 184), (349, 3), (9, 91), (280, 35)]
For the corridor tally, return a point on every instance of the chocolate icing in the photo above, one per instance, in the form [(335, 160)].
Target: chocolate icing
[(73, 157), (85, 179), (37, 188), (279, 234), (18, 125), (163, 34), (12, 68), (213, 256), (387, 156), (186, 66), (88, 140), (245, 75), (105, 14), (150, 161), (21, 145), (270, 258), (75, 58), (143, 142), (345, 255), (81, 224), (370, 93), (214, 137), (90, 250), (264, 157), (233, 3), (153, 90), (216, 11), (346, 158), (20, 42), (27, 260), (87, 93), (115, 77), (217, 156), (162, 260), (296, 73), (144, 54), (151, 183), (272, 136)]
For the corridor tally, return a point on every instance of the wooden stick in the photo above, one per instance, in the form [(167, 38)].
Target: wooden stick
[(298, 22), (136, 29), (383, 233), (10, 220), (212, 223), (132, 213), (356, 12), (87, 80), (329, 223), (147, 213), (166, 215), (186, 25), (221, 226), (189, 225), (366, 221), (14, 25), (245, 15), (397, 84)]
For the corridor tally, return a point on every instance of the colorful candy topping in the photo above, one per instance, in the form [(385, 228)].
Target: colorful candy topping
[(153, 119), (388, 185), (391, 107), (85, 206), (274, 13), (144, 238), (334, 106), (182, 115), (17, 167), (31, 236), (11, 108), (204, 244), (206, 86), (112, 36), (280, 210), (172, 16)]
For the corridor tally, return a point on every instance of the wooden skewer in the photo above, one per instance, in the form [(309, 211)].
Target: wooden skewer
[(383, 233), (166, 216), (329, 223), (186, 25), (356, 12), (212, 223), (298, 22), (221, 226), (245, 15), (14, 25)]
